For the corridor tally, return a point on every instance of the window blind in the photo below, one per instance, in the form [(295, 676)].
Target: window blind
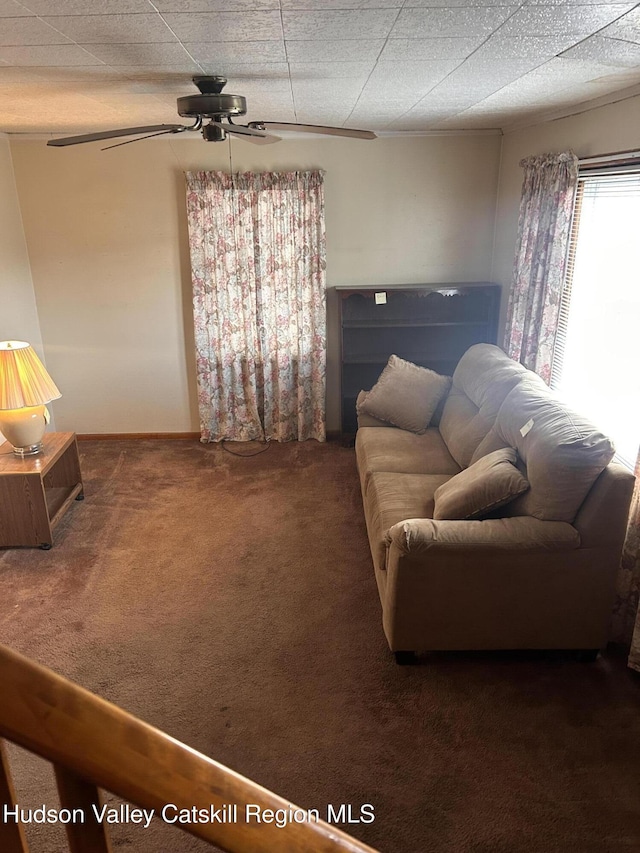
[(565, 303), (595, 350)]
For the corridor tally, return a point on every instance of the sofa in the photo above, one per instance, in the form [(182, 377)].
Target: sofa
[(533, 568)]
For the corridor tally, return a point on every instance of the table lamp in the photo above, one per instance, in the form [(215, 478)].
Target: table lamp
[(25, 387)]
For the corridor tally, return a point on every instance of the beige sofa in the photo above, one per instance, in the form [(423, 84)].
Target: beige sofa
[(538, 573)]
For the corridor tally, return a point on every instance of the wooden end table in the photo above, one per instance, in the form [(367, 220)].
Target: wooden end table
[(36, 491)]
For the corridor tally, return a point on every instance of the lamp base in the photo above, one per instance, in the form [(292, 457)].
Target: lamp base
[(24, 428), (29, 450)]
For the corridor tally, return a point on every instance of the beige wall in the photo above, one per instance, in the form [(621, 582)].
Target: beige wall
[(106, 235), (18, 313), (106, 232), (615, 127)]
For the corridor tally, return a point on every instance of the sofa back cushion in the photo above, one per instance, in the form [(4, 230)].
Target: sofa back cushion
[(482, 380), (561, 452)]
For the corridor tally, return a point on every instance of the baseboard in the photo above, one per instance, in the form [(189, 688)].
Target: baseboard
[(134, 436), (332, 435)]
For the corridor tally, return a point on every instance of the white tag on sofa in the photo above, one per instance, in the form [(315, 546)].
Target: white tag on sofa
[(381, 298), (526, 428)]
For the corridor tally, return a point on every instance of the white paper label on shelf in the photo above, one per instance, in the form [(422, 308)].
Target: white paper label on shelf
[(381, 298), (526, 428)]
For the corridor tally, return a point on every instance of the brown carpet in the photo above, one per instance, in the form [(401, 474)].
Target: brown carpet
[(231, 602)]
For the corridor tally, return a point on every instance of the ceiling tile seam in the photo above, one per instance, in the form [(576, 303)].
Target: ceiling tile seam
[(596, 32), (522, 5), (42, 21), (544, 62), (24, 6), (180, 42), (102, 62), (573, 46), (69, 41), (40, 18), (375, 64), (559, 55), (624, 41), (615, 20), (500, 88), (74, 14)]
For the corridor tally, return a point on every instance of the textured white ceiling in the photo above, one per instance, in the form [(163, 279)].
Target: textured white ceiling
[(385, 65)]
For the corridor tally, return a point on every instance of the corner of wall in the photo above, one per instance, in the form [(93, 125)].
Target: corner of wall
[(495, 209), (19, 317), (496, 218)]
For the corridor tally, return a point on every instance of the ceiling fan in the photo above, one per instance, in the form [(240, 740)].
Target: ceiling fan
[(212, 111)]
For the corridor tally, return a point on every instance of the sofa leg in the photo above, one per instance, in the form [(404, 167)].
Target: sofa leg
[(588, 655), (405, 658)]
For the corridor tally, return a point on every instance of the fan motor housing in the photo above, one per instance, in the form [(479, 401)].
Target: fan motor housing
[(212, 106)]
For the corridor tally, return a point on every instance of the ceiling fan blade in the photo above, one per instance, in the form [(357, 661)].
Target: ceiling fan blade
[(113, 134), (313, 128), (138, 139), (250, 134)]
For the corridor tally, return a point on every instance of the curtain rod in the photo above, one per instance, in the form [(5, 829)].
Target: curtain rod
[(611, 157)]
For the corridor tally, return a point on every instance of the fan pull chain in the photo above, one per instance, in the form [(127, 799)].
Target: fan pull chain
[(230, 159)]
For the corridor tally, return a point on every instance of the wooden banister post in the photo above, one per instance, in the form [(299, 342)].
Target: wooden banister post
[(76, 793), (12, 837)]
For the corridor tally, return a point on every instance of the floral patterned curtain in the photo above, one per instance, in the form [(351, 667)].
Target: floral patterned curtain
[(632, 555), (626, 617), (257, 245), (544, 225)]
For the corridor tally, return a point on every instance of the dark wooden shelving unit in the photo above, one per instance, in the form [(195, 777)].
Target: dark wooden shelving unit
[(429, 324)]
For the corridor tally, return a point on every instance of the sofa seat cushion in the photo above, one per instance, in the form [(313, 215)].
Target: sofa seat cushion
[(402, 452), (563, 453), (390, 498), (482, 380)]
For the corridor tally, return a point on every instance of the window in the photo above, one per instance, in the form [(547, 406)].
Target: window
[(596, 355)]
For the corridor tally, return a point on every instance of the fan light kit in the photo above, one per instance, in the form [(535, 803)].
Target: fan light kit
[(212, 111)]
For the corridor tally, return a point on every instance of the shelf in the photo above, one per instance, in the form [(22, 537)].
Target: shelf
[(59, 500), (412, 324), (416, 358), (415, 289), (430, 325)]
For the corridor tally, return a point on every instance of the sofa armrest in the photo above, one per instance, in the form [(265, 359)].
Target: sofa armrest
[(602, 519), (521, 533)]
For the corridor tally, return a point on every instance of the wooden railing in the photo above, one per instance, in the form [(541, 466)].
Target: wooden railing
[(94, 744)]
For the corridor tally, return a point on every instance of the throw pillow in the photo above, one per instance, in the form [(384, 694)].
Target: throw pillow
[(474, 493), (405, 395)]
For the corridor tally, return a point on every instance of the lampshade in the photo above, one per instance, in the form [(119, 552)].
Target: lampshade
[(23, 378)]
